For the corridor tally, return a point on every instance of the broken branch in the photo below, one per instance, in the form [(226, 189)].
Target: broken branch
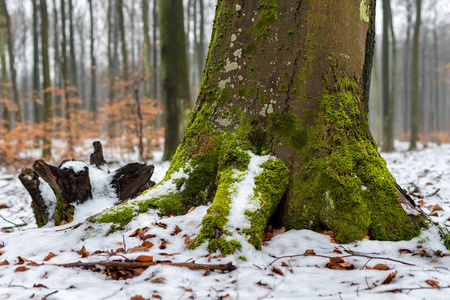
[(136, 264)]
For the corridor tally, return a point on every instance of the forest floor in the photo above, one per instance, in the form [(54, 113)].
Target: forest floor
[(294, 264)]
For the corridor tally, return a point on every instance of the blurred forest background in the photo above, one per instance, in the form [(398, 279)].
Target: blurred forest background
[(76, 70)]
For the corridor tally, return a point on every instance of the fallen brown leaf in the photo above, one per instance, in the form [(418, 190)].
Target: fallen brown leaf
[(261, 284), (138, 297), (144, 258), (381, 267), (404, 251), (21, 269), (436, 207), (160, 224), (421, 203), (158, 280), (50, 255), (139, 233), (283, 264), (188, 241), (389, 278), (176, 231), (278, 271), (338, 263), (40, 285), (2, 206), (83, 252), (137, 249), (147, 244), (191, 209), (309, 252), (149, 236), (337, 251), (433, 283), (163, 244), (4, 263), (21, 260)]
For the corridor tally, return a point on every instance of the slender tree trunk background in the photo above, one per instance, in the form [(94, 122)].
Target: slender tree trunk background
[(47, 140), (174, 73), (415, 116)]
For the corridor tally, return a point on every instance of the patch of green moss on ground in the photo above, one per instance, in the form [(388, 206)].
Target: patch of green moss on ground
[(270, 185)]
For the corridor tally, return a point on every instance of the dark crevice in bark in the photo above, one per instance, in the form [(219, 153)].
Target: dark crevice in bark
[(368, 61), (297, 21)]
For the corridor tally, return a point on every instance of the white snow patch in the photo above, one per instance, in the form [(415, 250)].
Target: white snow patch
[(243, 198), (76, 166)]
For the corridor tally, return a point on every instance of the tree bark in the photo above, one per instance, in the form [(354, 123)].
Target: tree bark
[(148, 76), (407, 61), (283, 107), (93, 104), (4, 76), (388, 141), (12, 67), (415, 117), (48, 112), (66, 79), (174, 73), (36, 77)]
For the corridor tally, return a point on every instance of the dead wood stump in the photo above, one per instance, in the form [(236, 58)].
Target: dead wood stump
[(71, 184)]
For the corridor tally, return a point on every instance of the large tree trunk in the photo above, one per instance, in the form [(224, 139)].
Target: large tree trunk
[(280, 123)]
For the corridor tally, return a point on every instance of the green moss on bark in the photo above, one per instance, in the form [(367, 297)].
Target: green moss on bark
[(270, 186), (63, 210), (346, 186)]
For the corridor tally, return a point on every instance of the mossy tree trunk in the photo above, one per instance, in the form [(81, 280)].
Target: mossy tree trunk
[(283, 109)]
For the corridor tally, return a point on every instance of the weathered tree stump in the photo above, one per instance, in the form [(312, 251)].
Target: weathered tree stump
[(131, 180), (71, 184), (30, 180)]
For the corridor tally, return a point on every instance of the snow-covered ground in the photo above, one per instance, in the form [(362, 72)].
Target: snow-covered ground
[(278, 271)]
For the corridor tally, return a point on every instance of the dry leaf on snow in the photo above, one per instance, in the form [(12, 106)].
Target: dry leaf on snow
[(278, 271), (21, 269), (139, 233), (83, 252), (138, 297), (436, 207), (338, 263), (144, 258), (50, 255), (4, 263), (381, 267), (177, 230), (389, 278), (433, 283)]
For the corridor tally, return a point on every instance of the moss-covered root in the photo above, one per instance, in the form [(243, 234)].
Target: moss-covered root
[(243, 204)]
